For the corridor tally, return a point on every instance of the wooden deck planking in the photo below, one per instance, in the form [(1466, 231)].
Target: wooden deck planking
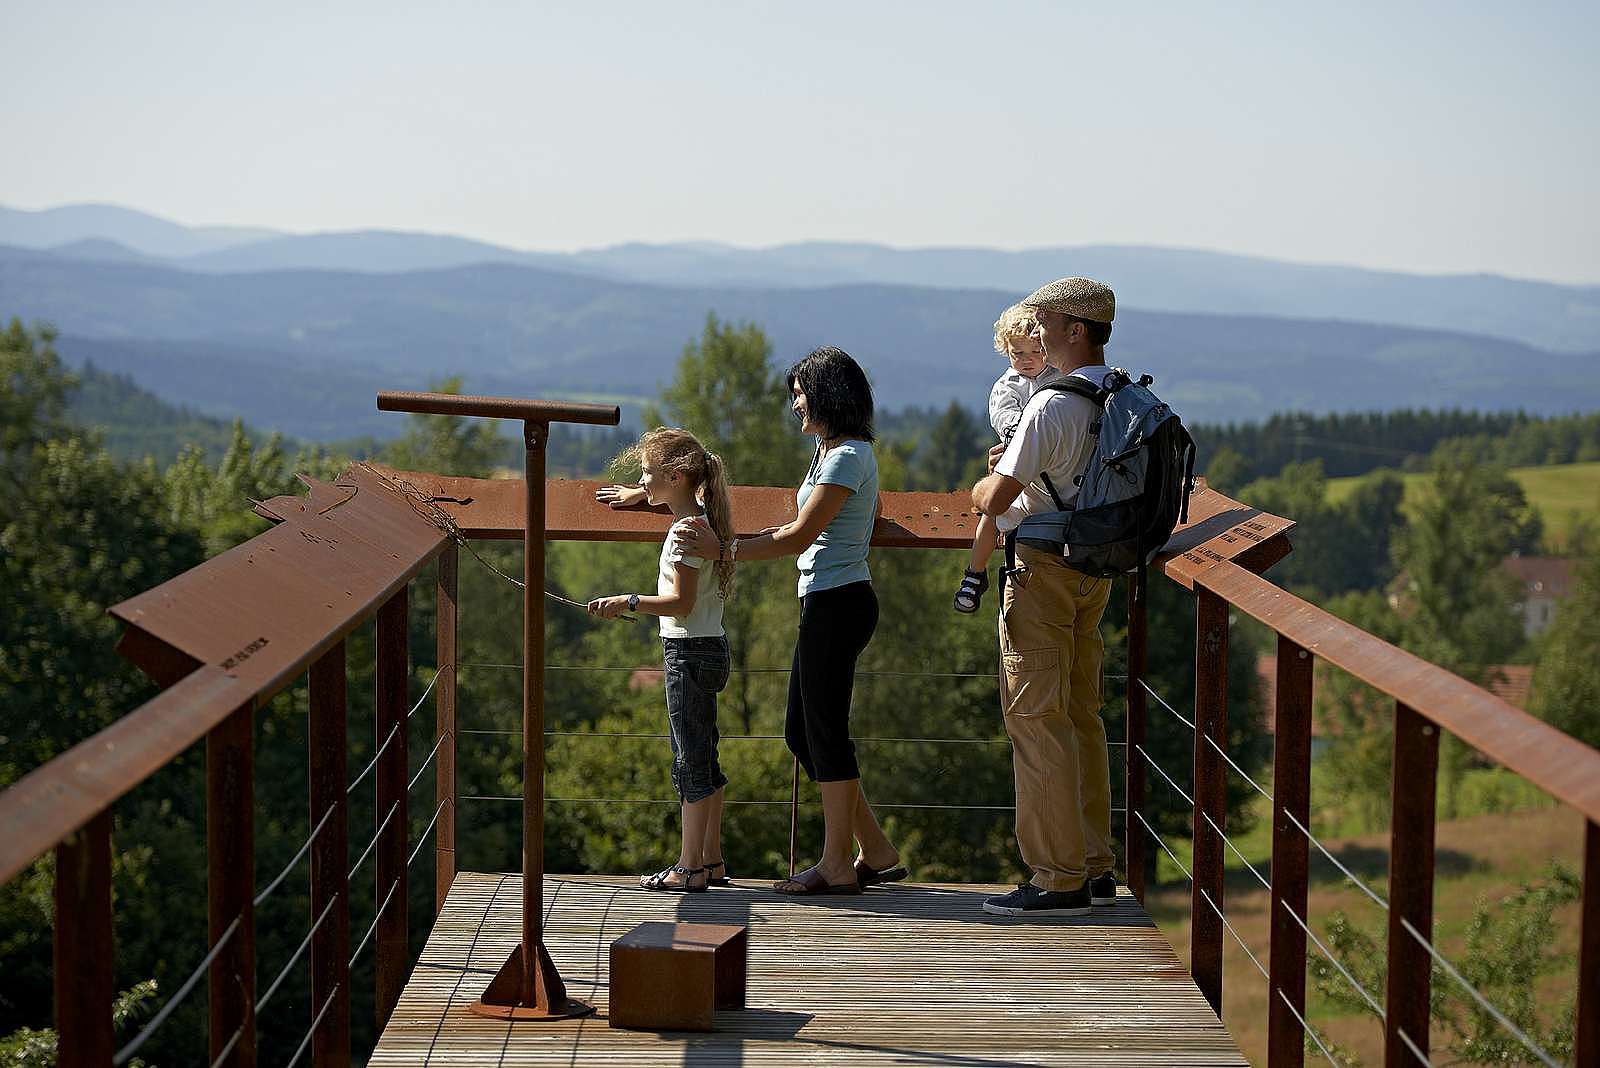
[(899, 975)]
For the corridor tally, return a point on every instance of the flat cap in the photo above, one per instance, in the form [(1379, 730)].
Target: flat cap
[(1082, 297)]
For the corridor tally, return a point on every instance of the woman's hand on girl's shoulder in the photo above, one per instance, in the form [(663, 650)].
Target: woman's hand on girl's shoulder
[(696, 538), (619, 496)]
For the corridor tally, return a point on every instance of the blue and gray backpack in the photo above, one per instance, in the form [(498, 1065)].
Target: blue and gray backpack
[(1133, 492)]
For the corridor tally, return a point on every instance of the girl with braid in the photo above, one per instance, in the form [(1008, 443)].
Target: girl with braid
[(677, 471)]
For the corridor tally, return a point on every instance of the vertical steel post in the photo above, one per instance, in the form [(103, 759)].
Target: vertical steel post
[(1291, 790), (1411, 831), (390, 775), (327, 747), (528, 986), (444, 732), (1210, 793), (83, 945), (794, 813), (1133, 759), (230, 884), (1586, 1048)]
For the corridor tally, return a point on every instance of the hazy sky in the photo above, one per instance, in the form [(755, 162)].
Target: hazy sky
[(1431, 137)]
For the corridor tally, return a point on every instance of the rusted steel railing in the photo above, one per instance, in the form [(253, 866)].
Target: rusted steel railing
[(1428, 701)]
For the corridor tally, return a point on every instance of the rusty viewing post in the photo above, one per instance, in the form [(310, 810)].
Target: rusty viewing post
[(528, 986)]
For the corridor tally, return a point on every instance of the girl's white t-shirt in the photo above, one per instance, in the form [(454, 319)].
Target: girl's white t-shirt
[(705, 620)]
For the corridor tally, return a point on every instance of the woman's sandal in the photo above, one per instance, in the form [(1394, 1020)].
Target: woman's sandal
[(660, 881), (718, 880), (970, 593), (811, 882), (867, 875)]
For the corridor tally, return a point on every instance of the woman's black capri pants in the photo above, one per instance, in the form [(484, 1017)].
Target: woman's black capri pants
[(835, 626)]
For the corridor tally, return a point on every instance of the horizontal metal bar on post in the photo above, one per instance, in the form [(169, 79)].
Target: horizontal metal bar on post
[(392, 400), (1556, 763)]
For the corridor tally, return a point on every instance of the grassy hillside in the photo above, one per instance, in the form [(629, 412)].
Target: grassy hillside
[(1561, 492)]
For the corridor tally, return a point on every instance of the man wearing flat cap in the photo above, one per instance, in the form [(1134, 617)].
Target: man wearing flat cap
[(1050, 644)]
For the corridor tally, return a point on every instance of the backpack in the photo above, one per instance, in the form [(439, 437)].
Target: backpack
[(1134, 490)]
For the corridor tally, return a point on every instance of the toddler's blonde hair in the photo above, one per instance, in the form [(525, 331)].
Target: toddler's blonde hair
[(1016, 321)]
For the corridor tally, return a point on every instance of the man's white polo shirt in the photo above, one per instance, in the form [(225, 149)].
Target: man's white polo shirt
[(1051, 437)]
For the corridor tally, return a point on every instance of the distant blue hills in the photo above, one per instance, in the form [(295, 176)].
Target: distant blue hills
[(297, 332)]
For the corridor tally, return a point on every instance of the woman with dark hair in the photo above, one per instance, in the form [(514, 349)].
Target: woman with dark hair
[(838, 503)]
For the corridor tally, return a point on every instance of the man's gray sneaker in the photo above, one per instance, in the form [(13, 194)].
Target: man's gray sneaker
[(1029, 900), (1103, 889)]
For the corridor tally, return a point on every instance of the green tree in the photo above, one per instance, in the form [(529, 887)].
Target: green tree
[(954, 454), (1459, 601), (1566, 679), (1338, 548), (1460, 604), (1226, 470), (33, 396), (727, 393)]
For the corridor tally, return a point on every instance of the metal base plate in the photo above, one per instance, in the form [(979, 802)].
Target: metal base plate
[(565, 1010)]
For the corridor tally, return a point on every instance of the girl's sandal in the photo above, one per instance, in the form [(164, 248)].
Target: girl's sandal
[(661, 880), (713, 879), (970, 593)]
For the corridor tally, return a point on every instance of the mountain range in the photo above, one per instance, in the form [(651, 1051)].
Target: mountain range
[(296, 332)]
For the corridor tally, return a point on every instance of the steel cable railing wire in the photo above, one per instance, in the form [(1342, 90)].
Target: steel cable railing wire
[(1328, 953), (1223, 753), (367, 852), (1152, 762), (294, 958), (387, 739), (1348, 874), (1214, 908), (1307, 1028), (172, 1003), (425, 832), (375, 918), (1499, 1017), (740, 801), (1162, 701), (1187, 875), (660, 736), (428, 760), (1262, 879), (431, 682), (304, 848), (763, 671), (1412, 1046), (315, 1023), (228, 1047), (1259, 877), (1162, 843)]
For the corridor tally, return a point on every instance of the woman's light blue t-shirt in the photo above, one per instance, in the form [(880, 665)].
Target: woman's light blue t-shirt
[(839, 555)]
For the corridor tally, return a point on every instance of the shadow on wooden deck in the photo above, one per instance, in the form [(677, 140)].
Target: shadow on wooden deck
[(902, 975)]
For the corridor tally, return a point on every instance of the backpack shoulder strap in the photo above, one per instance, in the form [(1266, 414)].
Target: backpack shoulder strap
[(1080, 386)]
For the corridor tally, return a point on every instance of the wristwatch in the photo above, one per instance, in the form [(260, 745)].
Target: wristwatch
[(633, 602)]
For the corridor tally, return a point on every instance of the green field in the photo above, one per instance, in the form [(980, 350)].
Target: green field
[(1560, 492)]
